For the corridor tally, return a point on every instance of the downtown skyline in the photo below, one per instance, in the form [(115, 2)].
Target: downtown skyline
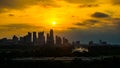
[(36, 39), (40, 39)]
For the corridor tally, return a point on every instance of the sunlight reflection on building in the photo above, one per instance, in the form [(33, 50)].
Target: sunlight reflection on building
[(80, 49)]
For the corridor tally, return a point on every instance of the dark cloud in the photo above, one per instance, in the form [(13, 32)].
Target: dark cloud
[(81, 1), (11, 15), (73, 16), (116, 22), (80, 24), (117, 19), (88, 5), (111, 24), (87, 22), (19, 26), (100, 15), (91, 21), (15, 4), (72, 28), (116, 2), (19, 4)]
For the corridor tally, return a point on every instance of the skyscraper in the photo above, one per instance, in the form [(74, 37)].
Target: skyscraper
[(34, 38), (29, 38), (21, 40), (41, 38), (48, 39), (58, 40), (65, 41), (15, 39), (51, 37)]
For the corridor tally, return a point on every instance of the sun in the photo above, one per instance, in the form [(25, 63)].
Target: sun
[(53, 23)]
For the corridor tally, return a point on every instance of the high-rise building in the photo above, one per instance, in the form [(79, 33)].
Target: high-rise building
[(21, 40), (65, 41), (15, 39), (34, 38), (29, 38), (48, 39), (41, 38), (58, 40), (51, 37)]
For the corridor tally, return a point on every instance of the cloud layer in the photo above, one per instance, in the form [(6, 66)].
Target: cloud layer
[(116, 2), (80, 1), (19, 4), (18, 27), (100, 15)]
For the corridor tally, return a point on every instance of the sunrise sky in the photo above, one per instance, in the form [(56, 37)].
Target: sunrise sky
[(83, 20)]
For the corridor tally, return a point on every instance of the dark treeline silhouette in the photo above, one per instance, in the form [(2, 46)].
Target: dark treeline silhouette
[(112, 62)]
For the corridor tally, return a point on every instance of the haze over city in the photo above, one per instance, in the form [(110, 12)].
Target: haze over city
[(82, 20)]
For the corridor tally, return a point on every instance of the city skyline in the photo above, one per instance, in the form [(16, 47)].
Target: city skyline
[(36, 38), (39, 39)]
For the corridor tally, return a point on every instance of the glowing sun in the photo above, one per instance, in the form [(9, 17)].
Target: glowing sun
[(53, 23)]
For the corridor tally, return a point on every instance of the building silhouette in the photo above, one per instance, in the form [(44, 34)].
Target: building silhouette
[(21, 41), (41, 38), (91, 42), (34, 38), (29, 38), (65, 41), (58, 40), (50, 38), (15, 39), (76, 43), (102, 42)]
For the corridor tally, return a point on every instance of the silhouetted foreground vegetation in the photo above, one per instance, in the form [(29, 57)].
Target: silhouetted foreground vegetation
[(14, 51), (106, 50), (112, 62), (8, 53), (34, 51)]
